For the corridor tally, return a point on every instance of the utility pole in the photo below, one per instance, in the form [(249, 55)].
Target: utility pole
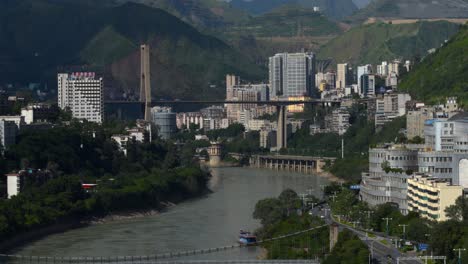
[(355, 223), (371, 255), (387, 219), (404, 231), (368, 212), (342, 148), (333, 197), (339, 217), (459, 253)]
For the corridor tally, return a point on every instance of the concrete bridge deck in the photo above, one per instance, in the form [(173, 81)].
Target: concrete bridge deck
[(303, 164)]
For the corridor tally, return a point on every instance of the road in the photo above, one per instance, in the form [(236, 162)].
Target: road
[(381, 252)]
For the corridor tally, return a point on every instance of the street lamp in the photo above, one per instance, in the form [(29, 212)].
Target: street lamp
[(368, 212), (404, 231), (387, 219), (371, 255), (339, 218), (355, 223), (459, 253)]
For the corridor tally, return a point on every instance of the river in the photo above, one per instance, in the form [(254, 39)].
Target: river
[(210, 221)]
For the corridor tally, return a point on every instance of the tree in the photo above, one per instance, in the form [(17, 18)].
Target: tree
[(349, 249), (458, 211), (268, 211), (289, 200)]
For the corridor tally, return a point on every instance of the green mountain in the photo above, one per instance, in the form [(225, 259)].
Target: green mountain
[(443, 73), (285, 21), (201, 13), (378, 42), (40, 37), (336, 9), (412, 9)]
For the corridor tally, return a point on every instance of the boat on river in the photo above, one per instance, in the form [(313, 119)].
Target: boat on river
[(247, 239)]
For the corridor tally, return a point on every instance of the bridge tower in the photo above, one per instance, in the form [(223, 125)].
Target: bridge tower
[(145, 80), (282, 133), (214, 152)]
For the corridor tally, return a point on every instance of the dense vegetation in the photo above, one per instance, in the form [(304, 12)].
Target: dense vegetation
[(287, 21), (443, 73), (107, 39), (287, 214), (379, 42), (335, 9), (150, 174), (357, 140), (398, 9), (349, 249), (441, 236)]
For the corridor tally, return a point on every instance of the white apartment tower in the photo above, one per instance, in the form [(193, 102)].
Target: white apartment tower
[(82, 93), (292, 74)]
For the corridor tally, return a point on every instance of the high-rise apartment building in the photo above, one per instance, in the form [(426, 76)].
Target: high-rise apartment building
[(431, 196), (362, 70), (367, 85), (342, 76), (231, 81), (382, 69), (82, 93), (292, 74)]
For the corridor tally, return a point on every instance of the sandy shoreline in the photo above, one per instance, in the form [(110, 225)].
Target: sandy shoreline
[(128, 215)]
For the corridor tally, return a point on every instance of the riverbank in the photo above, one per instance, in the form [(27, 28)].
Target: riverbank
[(70, 224), (65, 225), (331, 177), (210, 221)]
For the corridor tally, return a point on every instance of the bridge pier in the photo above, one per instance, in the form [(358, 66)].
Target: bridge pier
[(281, 135)]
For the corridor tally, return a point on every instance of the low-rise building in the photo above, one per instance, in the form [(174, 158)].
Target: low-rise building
[(122, 142), (18, 180), (415, 121), (8, 132), (39, 113), (338, 121), (18, 120), (258, 124), (186, 120), (390, 106), (431, 196), (267, 138), (212, 124)]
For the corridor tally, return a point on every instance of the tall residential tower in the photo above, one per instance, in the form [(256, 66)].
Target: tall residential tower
[(292, 74), (82, 93)]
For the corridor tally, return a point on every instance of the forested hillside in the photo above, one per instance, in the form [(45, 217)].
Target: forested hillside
[(377, 42), (107, 39), (442, 74)]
